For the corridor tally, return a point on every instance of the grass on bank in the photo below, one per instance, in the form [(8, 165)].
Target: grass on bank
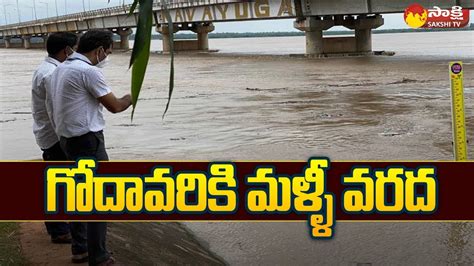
[(10, 253)]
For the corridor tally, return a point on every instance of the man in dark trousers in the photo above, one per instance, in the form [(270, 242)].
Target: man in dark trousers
[(78, 94), (59, 46)]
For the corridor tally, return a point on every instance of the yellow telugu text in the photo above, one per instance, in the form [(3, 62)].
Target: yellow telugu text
[(391, 190)]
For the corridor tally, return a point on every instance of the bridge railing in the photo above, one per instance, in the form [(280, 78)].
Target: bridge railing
[(112, 11), (75, 16)]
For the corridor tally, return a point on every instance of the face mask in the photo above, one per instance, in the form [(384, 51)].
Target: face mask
[(103, 63)]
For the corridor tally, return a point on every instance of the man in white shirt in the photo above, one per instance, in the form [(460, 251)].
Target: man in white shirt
[(59, 47), (78, 93)]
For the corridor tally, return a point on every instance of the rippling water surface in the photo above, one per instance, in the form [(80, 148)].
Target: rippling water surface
[(232, 105)]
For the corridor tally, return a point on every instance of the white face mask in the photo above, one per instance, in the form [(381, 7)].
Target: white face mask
[(104, 62)]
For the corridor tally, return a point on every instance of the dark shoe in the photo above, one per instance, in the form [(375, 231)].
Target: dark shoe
[(62, 239), (80, 258), (109, 261)]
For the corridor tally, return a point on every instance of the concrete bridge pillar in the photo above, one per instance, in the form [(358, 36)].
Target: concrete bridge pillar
[(165, 34), (202, 31), (363, 40), (313, 28), (26, 41), (45, 40), (7, 41), (124, 37), (363, 26)]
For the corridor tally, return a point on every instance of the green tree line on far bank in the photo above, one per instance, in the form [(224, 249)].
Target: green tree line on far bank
[(223, 35)]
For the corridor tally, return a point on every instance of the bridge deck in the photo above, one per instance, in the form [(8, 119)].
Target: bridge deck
[(187, 11), (115, 11)]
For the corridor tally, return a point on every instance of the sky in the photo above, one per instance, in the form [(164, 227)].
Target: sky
[(45, 8)]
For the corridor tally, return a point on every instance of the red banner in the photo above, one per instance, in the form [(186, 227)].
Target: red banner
[(22, 191)]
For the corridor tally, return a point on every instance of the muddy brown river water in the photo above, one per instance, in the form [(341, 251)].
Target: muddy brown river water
[(252, 105)]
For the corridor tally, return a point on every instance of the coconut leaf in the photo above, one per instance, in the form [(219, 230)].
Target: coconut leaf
[(133, 7), (141, 49), (171, 44), (144, 26)]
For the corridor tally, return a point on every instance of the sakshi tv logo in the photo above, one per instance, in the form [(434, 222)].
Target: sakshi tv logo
[(416, 16)]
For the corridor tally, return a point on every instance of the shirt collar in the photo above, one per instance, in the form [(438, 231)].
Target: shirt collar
[(52, 61), (81, 57)]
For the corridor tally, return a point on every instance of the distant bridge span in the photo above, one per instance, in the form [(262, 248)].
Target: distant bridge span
[(311, 16)]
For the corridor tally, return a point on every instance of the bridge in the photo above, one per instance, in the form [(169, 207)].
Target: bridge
[(311, 16)]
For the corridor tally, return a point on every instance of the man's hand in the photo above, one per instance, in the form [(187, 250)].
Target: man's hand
[(114, 104)]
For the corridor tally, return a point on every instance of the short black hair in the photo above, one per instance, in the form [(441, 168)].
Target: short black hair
[(94, 39), (59, 41)]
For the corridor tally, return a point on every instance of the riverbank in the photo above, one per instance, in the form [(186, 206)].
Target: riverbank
[(10, 248), (129, 243)]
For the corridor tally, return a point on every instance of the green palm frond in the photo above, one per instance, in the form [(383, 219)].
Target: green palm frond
[(171, 43), (141, 48), (133, 7)]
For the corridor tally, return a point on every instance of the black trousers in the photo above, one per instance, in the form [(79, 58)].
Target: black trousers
[(90, 237), (55, 153)]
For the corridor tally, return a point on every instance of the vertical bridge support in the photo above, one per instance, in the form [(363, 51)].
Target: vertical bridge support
[(317, 45), (363, 26), (202, 31), (7, 41), (313, 28), (45, 40), (124, 37), (165, 34), (201, 44), (26, 41)]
